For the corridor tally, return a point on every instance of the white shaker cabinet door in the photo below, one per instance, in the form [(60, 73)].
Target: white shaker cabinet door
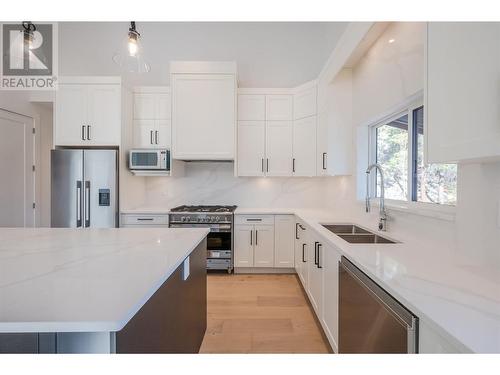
[(331, 259), (462, 119), (145, 106), (251, 107), (315, 282), (163, 133), (304, 147), (163, 106), (104, 115), (71, 115), (243, 246), (144, 135), (264, 246), (279, 136), (284, 235), (304, 103), (251, 148), (203, 116), (279, 107)]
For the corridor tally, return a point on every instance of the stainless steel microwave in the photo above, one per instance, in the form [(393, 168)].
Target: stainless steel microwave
[(149, 159)]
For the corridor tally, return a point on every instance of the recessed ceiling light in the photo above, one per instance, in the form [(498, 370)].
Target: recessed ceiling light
[(392, 40)]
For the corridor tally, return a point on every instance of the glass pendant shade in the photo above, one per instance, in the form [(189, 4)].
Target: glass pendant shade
[(129, 56)]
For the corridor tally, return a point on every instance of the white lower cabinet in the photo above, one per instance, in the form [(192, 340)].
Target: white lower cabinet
[(138, 220), (284, 255), (264, 241), (330, 318), (263, 246), (243, 246), (315, 280), (317, 266)]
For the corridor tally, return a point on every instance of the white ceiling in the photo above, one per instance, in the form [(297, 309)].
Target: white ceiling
[(267, 54)]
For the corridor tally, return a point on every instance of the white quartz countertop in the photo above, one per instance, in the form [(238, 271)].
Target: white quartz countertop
[(459, 300), (72, 280)]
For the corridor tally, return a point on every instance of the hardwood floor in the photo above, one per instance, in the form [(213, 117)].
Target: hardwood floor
[(260, 314)]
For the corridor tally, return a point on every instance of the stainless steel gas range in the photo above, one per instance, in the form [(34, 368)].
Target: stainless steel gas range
[(220, 240)]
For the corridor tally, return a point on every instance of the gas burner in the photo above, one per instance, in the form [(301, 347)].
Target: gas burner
[(201, 209)]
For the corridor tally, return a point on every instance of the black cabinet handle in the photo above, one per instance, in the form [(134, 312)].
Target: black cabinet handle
[(316, 262), (262, 165), (319, 257), (83, 132), (256, 234), (303, 253), (293, 165), (251, 239), (144, 219), (156, 136), (88, 132), (151, 137), (324, 160), (297, 231), (267, 165)]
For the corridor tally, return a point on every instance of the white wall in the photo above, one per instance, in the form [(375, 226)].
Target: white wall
[(268, 54), (388, 74), (214, 183)]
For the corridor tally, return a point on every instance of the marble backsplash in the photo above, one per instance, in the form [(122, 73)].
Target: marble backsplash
[(215, 183)]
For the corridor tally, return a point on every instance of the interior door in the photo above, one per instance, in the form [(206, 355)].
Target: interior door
[(243, 246), (100, 189), (104, 116), (279, 148), (66, 188), (71, 115), (264, 246), (251, 148), (17, 189)]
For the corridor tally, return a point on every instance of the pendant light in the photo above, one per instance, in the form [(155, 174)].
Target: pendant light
[(129, 57)]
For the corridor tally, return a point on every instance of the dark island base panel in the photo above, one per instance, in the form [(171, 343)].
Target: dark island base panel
[(174, 320)]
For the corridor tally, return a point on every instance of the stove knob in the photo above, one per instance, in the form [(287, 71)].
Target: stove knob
[(183, 218)]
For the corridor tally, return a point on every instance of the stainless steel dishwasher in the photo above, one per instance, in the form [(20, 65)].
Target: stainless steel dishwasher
[(370, 319)]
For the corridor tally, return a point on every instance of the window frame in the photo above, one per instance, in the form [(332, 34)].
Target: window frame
[(442, 211)]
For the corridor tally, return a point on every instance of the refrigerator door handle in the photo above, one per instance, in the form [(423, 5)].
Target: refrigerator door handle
[(78, 204), (87, 204)]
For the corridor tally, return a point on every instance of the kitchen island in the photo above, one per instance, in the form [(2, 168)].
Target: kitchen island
[(102, 290)]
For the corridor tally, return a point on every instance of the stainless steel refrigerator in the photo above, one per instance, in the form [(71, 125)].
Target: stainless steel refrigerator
[(84, 190)]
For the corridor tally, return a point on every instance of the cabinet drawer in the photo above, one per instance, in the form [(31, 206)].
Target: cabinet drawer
[(254, 219), (144, 220)]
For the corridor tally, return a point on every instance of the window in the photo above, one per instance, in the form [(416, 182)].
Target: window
[(398, 146)]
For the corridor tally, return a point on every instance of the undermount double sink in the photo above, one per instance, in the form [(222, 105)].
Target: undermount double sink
[(354, 234)]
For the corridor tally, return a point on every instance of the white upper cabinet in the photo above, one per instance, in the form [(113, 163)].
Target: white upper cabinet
[(462, 116), (279, 107), (304, 147), (334, 144), (152, 113), (71, 115), (251, 107), (279, 137), (251, 148), (104, 115), (88, 112), (304, 103), (203, 112)]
